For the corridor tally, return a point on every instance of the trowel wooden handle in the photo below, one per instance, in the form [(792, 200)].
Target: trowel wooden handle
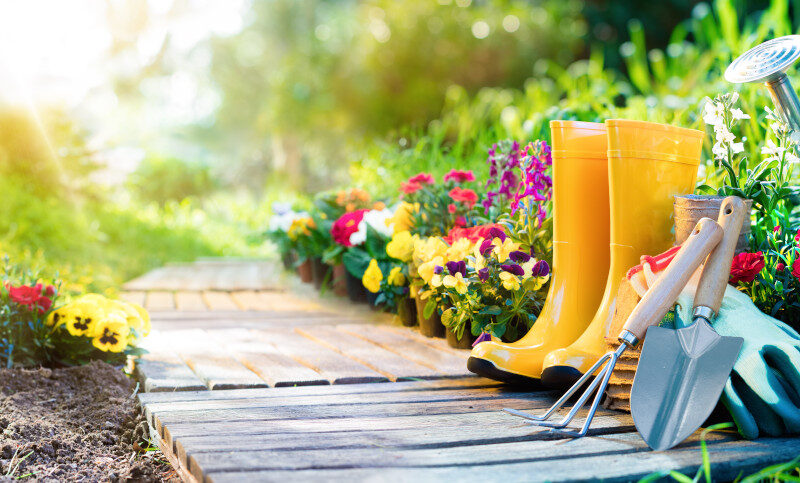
[(711, 287), (662, 295)]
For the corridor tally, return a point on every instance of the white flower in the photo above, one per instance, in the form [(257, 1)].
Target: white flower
[(791, 158), (360, 236), (770, 150), (720, 152), (737, 148), (281, 207), (378, 220), (738, 114), (712, 113), (283, 221), (722, 134)]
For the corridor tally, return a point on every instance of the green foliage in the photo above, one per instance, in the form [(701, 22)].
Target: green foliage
[(168, 179)]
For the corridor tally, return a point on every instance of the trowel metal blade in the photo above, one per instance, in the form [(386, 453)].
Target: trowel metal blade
[(679, 379)]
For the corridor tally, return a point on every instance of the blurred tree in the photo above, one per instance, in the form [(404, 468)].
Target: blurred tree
[(169, 179)]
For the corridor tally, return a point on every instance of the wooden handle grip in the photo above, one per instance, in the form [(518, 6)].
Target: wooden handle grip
[(711, 287), (662, 295)]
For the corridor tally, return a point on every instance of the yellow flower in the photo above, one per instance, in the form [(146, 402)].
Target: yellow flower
[(429, 249), (502, 249), (455, 281), (479, 263), (426, 269), (81, 316), (436, 280), (111, 333), (459, 250), (372, 277), (510, 281), (396, 277), (401, 246), (403, 218), (299, 227)]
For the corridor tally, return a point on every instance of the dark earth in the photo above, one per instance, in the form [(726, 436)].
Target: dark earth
[(76, 423)]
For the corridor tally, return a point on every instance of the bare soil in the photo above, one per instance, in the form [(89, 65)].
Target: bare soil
[(76, 424)]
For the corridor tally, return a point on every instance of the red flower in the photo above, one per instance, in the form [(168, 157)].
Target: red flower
[(459, 176), (797, 237), (451, 208), (746, 266), (472, 234), (796, 268), (345, 226), (410, 187), (465, 196), (780, 267), (30, 297), (422, 178)]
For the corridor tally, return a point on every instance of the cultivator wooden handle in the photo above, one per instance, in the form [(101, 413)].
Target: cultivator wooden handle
[(717, 269), (662, 295)]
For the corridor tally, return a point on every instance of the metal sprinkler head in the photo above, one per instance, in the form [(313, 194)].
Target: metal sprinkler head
[(767, 63)]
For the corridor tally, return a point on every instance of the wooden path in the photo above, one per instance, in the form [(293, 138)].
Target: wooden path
[(223, 353)]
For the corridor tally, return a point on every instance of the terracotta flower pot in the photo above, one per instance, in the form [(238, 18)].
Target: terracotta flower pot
[(304, 271), (338, 280), (407, 311), (320, 272), (464, 343), (688, 210), (431, 326), (355, 289)]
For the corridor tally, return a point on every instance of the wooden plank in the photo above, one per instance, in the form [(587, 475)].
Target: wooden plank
[(434, 342), (159, 300), (445, 362), (329, 364), (264, 359), (380, 360), (166, 372), (233, 394), (190, 301), (219, 301), (133, 297), (729, 459)]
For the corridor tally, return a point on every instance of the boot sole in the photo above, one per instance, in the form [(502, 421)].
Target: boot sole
[(560, 377), (485, 368)]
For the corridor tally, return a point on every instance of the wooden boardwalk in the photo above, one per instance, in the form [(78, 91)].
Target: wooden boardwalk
[(224, 352)]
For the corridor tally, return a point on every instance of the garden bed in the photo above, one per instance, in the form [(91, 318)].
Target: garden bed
[(77, 423)]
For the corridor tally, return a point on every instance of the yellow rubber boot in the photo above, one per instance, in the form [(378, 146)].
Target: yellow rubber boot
[(649, 163), (580, 256)]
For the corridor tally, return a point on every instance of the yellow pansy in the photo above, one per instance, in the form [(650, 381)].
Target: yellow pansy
[(536, 283), (459, 250), (111, 333), (396, 277), (509, 280), (426, 269), (372, 277), (403, 218), (401, 246), (455, 281), (81, 317), (479, 263), (430, 248), (502, 249), (300, 226)]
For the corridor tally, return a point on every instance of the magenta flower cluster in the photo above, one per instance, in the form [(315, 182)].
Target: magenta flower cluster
[(536, 187), (504, 159)]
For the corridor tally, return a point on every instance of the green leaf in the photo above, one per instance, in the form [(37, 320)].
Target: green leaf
[(491, 310), (430, 306), (356, 260)]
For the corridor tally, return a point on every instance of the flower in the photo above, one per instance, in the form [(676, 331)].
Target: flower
[(509, 281), (451, 208), (401, 246), (496, 232), (746, 266), (780, 267), (473, 234), (281, 222), (456, 282), (372, 277), (409, 187), (713, 112), (459, 176), (425, 270), (110, 333), (422, 178), (396, 277), (519, 256), (403, 218), (458, 250), (540, 269), (457, 267), (513, 268), (486, 247), (484, 337), (429, 248), (466, 196), (80, 317), (345, 226), (504, 248), (30, 297), (301, 227), (796, 268), (483, 274), (378, 220)]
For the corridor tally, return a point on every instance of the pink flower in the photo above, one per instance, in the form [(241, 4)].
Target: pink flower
[(459, 176), (777, 229), (422, 178), (345, 226), (465, 196), (30, 297), (451, 208), (410, 187)]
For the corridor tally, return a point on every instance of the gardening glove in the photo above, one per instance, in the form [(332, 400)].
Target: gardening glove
[(763, 391)]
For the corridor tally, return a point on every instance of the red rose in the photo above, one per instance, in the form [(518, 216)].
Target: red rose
[(345, 226), (30, 297), (746, 266), (422, 178), (410, 187), (459, 176), (465, 196)]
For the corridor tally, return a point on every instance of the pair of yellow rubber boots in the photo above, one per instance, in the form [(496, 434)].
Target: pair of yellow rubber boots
[(613, 186)]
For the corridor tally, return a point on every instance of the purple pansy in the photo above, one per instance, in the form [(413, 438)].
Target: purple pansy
[(495, 232), (486, 247), (457, 267), (483, 274), (484, 337), (438, 269), (540, 269), (519, 256), (513, 268)]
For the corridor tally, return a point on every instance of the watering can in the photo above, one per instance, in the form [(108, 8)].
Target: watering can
[(767, 63)]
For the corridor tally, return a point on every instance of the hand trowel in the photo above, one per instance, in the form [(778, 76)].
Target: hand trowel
[(681, 373)]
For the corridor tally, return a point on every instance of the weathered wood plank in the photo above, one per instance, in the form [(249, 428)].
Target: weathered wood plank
[(329, 364), (133, 297), (219, 301), (159, 300), (163, 371), (380, 360), (435, 342), (267, 362), (728, 460), (234, 394), (189, 301), (444, 362)]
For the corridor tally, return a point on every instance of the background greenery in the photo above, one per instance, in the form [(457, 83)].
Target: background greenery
[(317, 94)]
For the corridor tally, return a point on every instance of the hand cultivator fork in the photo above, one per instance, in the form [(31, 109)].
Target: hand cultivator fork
[(650, 310)]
